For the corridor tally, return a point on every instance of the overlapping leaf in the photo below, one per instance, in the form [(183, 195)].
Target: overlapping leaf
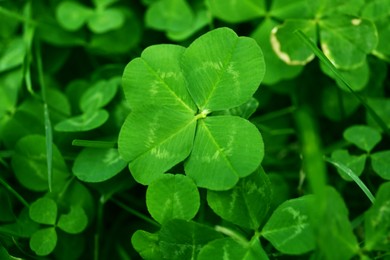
[(172, 90)]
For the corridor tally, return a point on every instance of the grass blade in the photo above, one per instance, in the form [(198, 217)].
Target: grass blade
[(14, 192), (94, 144), (330, 65), (353, 176)]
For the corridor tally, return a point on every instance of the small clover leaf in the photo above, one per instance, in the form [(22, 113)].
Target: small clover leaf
[(289, 229), (252, 198), (146, 244), (74, 222), (172, 197), (98, 95), (97, 165), (44, 211), (180, 239), (353, 162), (104, 20), (232, 250), (381, 164), (88, 121), (377, 224), (169, 15), (237, 11), (364, 137), (44, 241), (72, 15)]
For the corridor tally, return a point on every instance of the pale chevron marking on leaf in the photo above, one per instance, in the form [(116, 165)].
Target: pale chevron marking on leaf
[(356, 22), (111, 157)]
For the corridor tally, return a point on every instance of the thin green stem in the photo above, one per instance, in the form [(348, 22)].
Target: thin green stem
[(14, 192), (354, 177), (94, 144), (135, 213)]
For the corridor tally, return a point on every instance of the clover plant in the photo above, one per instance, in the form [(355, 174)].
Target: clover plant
[(194, 129)]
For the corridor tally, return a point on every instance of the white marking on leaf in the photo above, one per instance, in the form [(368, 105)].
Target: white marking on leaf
[(160, 153), (154, 88), (384, 212), (328, 53), (213, 65), (276, 46), (356, 22), (111, 157)]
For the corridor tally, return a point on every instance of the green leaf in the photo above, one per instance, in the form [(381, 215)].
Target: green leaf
[(381, 106), (364, 137), (23, 227), (221, 155), (229, 249), (358, 77), (289, 228), (297, 9), (380, 164), (84, 122), (12, 54), (288, 47), (97, 164), (332, 228), (155, 139), (169, 15), (72, 15), (30, 166), (44, 241), (146, 244), (377, 11), (222, 70), (146, 82), (179, 239), (245, 110), (98, 95), (74, 222), (377, 221), (201, 19), (246, 204), (104, 20), (341, 40), (276, 69), (172, 197), (44, 211), (353, 162), (237, 11)]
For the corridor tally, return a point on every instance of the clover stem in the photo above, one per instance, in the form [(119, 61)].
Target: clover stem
[(202, 114)]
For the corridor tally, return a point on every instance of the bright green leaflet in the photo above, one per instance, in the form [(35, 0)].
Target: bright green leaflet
[(146, 82), (98, 164), (98, 95), (44, 211), (146, 244), (84, 122), (236, 11), (377, 221), (30, 166), (179, 239), (276, 69), (332, 228), (341, 42), (72, 15), (229, 249), (288, 47), (357, 78), (155, 140), (169, 15), (102, 21), (12, 55), (381, 106), (172, 197), (298, 9), (245, 110), (74, 222), (101, 4), (221, 155), (246, 204), (364, 137), (354, 162), (44, 241), (289, 228), (222, 70), (380, 163)]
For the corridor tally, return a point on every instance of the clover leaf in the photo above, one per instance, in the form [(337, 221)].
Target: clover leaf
[(173, 91), (364, 137), (172, 197)]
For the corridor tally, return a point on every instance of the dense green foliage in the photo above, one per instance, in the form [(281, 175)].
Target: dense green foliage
[(194, 129)]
